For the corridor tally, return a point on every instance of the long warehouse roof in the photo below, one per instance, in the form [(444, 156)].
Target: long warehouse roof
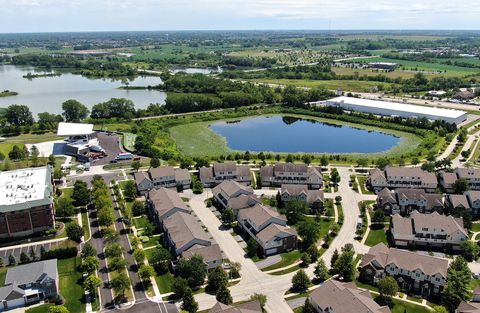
[(387, 105)]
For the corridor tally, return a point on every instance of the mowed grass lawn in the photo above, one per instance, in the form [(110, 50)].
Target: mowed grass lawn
[(402, 307), (376, 236), (71, 284), (346, 85)]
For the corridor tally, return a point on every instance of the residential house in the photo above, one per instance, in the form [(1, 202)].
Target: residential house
[(268, 228), (164, 202), (471, 175), (212, 176), (402, 177), (314, 198), (212, 255), (418, 273), (290, 173), (447, 181), (429, 230), (468, 307), (473, 197), (163, 176), (183, 231), (247, 307), (337, 297), (233, 195), (29, 283), (405, 200)]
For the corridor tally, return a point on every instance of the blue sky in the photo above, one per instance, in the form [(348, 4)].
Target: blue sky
[(115, 15)]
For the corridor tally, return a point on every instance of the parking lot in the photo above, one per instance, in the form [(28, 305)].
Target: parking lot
[(110, 142), (6, 252)]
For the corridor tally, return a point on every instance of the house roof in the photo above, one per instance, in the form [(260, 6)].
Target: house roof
[(183, 228), (345, 298), (468, 173), (31, 272), (182, 174), (385, 196), (376, 173), (473, 195), (248, 307), (410, 172), (294, 190), (449, 224), (225, 167), (274, 230), (229, 188), (468, 307), (458, 201), (11, 292), (266, 171), (448, 178), (205, 173), (140, 177), (161, 171), (208, 253), (432, 199), (315, 195), (243, 201), (291, 167), (164, 200), (405, 259), (260, 213)]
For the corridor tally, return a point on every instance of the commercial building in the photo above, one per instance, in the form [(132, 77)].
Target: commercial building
[(29, 283), (428, 230), (212, 176), (80, 138), (26, 201), (418, 273), (163, 176), (398, 109), (402, 177), (290, 173), (334, 296)]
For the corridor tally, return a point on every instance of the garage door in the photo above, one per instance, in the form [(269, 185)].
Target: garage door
[(15, 303), (271, 251)]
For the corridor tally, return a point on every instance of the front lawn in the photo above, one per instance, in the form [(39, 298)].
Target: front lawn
[(39, 309), (402, 307), (362, 181), (376, 236), (71, 284), (164, 282), (141, 222)]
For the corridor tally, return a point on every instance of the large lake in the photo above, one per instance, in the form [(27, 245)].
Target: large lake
[(289, 134), (46, 94)]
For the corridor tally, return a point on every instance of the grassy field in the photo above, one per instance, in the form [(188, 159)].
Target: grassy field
[(209, 143), (376, 236), (141, 222), (369, 72), (39, 309), (164, 282), (288, 258), (346, 85), (71, 284), (402, 307), (361, 181)]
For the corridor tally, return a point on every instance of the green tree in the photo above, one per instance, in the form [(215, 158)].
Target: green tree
[(334, 176), (345, 266), (130, 189), (295, 210), (18, 115), (24, 258), (160, 259), (223, 295), (261, 298), (91, 284), (16, 154), (378, 216), (180, 287), (145, 272), (217, 278), (32, 254), (106, 217), (334, 259), (11, 260), (65, 207), (74, 111), (193, 270), (139, 255), (306, 259), (74, 232), (309, 230), (88, 250), (457, 287), (470, 250), (57, 309), (439, 309), (113, 250), (197, 186), (324, 160), (120, 283), (90, 264), (228, 217), (308, 307), (154, 162), (383, 162), (312, 252), (388, 288), (252, 247), (362, 162), (460, 186), (321, 271), (300, 281), (118, 264), (138, 208), (136, 165), (34, 153), (81, 193), (188, 302)]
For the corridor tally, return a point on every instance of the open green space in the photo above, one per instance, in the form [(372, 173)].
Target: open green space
[(43, 308), (71, 284), (288, 258), (165, 282), (208, 143), (346, 85), (376, 236), (141, 222), (362, 180), (402, 307)]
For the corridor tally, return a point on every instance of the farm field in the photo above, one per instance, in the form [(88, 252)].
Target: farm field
[(346, 85)]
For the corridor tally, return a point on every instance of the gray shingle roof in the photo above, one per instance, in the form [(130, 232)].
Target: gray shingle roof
[(32, 272)]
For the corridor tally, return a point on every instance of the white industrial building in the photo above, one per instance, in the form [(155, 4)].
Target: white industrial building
[(398, 109), (80, 139)]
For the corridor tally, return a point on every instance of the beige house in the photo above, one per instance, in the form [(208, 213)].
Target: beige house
[(164, 202), (422, 274), (212, 176), (405, 200), (337, 297), (233, 195), (163, 176), (314, 198), (427, 230), (183, 231), (290, 173), (212, 255), (471, 175), (402, 177)]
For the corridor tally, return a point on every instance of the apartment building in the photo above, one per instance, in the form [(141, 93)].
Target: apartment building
[(164, 176), (418, 273), (219, 172), (269, 228), (405, 200), (337, 297), (314, 198), (469, 201), (164, 202), (402, 177), (26, 201), (230, 194), (428, 230), (211, 255), (289, 173)]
